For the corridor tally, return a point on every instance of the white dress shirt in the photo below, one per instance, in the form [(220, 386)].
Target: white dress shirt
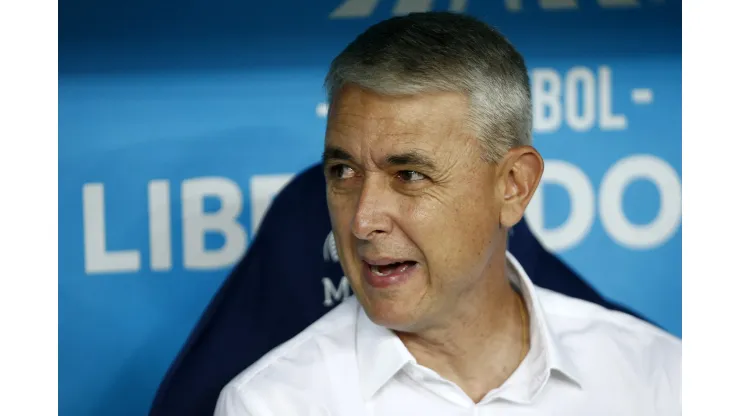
[(584, 360)]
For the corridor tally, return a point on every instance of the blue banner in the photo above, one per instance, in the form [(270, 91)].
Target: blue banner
[(179, 122)]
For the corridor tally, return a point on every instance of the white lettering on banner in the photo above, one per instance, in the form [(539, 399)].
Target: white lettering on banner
[(583, 120), (349, 9), (354, 9), (330, 248), (97, 258), (516, 5), (642, 96), (322, 110), (616, 180), (548, 100), (546, 93), (403, 7), (608, 120), (619, 3), (611, 192), (160, 225), (196, 222), (558, 4), (334, 294), (263, 189), (581, 216)]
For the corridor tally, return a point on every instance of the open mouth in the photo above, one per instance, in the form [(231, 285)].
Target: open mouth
[(393, 268)]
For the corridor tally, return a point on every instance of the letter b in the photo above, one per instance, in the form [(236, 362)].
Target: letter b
[(196, 222)]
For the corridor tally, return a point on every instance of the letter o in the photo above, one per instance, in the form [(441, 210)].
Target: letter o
[(580, 220), (611, 194)]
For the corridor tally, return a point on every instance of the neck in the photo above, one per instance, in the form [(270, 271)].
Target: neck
[(481, 343)]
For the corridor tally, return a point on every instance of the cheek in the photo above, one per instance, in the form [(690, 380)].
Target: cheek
[(340, 210), (453, 235), (341, 215), (458, 213), (434, 228)]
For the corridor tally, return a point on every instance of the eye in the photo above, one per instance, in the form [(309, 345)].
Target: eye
[(341, 171), (411, 176)]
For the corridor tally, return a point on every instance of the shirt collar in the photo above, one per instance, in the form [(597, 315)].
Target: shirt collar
[(547, 353), (381, 354)]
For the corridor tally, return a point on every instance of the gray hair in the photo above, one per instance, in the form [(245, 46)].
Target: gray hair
[(444, 52)]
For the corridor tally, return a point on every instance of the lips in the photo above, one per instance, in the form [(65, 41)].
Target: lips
[(387, 273)]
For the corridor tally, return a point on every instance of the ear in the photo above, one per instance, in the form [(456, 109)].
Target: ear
[(520, 174)]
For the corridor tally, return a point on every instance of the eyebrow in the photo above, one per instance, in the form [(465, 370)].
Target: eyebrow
[(335, 153), (410, 158)]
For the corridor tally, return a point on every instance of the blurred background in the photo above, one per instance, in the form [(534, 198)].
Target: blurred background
[(180, 120)]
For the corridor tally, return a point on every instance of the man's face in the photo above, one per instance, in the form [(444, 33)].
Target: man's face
[(414, 208)]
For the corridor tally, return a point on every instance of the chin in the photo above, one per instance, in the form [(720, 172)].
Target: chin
[(391, 313), (392, 301)]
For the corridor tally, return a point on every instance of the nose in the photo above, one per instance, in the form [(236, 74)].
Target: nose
[(372, 218)]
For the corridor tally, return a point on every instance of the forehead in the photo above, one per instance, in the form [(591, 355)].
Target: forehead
[(363, 118)]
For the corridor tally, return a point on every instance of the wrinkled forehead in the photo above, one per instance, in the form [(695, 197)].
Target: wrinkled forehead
[(361, 121)]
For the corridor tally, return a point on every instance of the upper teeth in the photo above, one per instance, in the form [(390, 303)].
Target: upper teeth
[(376, 269)]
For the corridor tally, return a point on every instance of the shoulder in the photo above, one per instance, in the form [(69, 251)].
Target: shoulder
[(570, 315), (604, 341), (298, 369)]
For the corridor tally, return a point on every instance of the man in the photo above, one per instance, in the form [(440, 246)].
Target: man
[(428, 164)]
